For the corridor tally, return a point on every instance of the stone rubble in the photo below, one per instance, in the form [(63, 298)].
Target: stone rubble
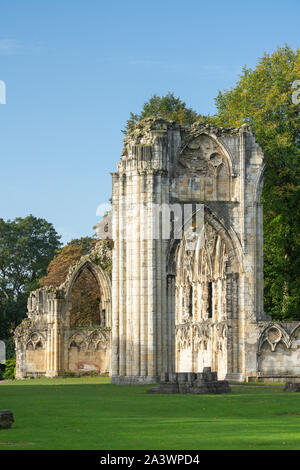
[(189, 382), (6, 419)]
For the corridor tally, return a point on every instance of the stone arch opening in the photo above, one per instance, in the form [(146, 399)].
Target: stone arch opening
[(89, 297), (204, 169), (211, 273), (86, 301), (88, 341)]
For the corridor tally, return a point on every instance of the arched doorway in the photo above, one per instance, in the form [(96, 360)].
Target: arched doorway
[(206, 288), (89, 319), (87, 306)]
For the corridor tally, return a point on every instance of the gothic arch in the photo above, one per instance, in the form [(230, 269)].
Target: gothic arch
[(215, 139), (209, 278), (102, 279), (35, 339), (294, 332), (273, 334), (229, 237)]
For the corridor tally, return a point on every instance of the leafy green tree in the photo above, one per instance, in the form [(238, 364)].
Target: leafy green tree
[(27, 245), (10, 369), (166, 107), (263, 98)]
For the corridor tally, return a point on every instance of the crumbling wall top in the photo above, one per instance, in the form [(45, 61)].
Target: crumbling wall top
[(146, 130)]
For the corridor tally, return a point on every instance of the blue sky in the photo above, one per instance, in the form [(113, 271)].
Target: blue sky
[(75, 69)]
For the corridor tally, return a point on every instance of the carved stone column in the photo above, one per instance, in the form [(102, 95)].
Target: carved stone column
[(54, 349)]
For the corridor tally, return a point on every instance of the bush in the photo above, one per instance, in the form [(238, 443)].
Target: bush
[(10, 369)]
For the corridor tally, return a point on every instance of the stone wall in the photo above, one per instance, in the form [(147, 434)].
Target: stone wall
[(176, 308), (45, 342), (179, 299), (278, 355), (89, 351)]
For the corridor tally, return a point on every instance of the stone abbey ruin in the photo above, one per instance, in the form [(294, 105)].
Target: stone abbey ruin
[(176, 302)]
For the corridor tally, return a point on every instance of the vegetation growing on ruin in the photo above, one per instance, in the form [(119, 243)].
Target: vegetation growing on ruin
[(168, 107)]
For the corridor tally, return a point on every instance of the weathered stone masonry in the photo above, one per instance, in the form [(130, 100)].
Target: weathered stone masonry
[(178, 303), (46, 344)]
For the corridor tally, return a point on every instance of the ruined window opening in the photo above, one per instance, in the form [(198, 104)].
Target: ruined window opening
[(191, 302), (103, 318), (209, 300), (86, 301)]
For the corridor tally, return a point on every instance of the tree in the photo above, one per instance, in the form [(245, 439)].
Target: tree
[(27, 245), (263, 98), (166, 107)]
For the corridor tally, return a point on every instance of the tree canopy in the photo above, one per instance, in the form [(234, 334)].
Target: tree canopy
[(27, 245), (263, 98)]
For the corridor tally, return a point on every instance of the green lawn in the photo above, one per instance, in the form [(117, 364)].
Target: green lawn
[(88, 413)]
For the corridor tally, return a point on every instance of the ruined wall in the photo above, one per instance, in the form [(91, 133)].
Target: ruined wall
[(160, 294), (178, 299), (222, 169), (278, 354), (46, 344), (36, 354), (89, 351)]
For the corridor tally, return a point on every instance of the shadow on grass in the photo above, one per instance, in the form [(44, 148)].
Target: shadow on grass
[(60, 414)]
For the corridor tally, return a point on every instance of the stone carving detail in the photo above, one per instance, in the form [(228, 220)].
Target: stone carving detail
[(274, 334), (87, 340), (203, 171), (184, 337), (204, 273), (201, 334), (201, 273), (35, 340), (201, 157)]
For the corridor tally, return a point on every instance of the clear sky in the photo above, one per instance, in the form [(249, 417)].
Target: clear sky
[(74, 69)]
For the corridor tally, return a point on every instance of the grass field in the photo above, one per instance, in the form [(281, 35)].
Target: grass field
[(88, 413)]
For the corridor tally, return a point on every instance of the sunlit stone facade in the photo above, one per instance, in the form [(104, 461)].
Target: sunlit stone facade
[(186, 290)]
